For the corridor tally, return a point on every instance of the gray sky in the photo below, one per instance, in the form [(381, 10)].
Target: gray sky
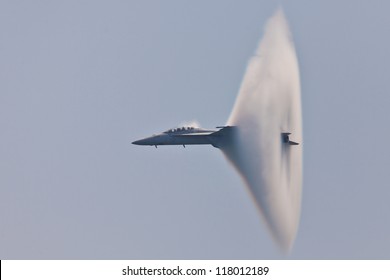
[(80, 80)]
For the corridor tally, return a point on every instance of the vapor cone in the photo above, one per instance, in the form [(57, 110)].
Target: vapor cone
[(268, 104)]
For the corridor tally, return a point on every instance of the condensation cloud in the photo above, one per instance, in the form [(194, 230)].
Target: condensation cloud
[(267, 105)]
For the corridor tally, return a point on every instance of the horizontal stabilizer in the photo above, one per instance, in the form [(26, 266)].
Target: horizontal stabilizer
[(286, 139)]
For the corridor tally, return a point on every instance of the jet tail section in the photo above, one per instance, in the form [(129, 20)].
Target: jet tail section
[(286, 139)]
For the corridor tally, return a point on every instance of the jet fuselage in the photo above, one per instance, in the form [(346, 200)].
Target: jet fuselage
[(188, 136)]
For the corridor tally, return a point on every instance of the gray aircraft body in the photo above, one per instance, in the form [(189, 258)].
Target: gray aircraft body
[(190, 136), (198, 136)]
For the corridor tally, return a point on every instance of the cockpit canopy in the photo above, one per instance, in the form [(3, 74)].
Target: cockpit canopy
[(184, 128)]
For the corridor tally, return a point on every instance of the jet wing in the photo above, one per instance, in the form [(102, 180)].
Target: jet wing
[(224, 130)]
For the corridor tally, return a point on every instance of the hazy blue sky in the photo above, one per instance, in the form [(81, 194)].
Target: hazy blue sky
[(80, 80)]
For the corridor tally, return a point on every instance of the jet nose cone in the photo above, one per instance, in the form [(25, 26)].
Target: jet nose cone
[(138, 142), (149, 141), (146, 141)]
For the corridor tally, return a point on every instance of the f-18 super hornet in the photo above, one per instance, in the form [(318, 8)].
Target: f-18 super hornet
[(260, 138), (198, 136)]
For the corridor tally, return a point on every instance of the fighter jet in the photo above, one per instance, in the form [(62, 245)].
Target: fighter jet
[(198, 136), (190, 136)]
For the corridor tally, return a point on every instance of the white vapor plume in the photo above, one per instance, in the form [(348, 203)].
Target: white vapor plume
[(267, 105)]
